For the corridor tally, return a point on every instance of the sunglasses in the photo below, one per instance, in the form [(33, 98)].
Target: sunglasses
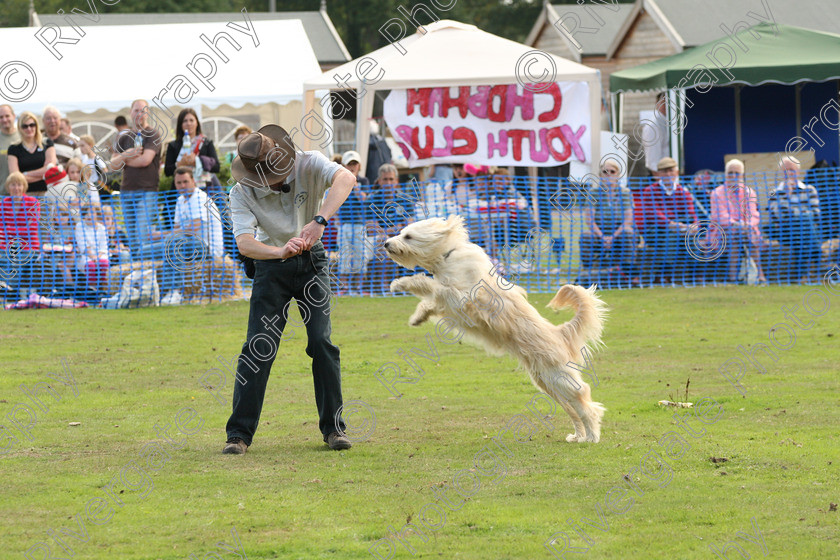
[(30, 125), (609, 171)]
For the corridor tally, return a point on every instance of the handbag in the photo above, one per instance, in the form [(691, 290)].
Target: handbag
[(747, 270)]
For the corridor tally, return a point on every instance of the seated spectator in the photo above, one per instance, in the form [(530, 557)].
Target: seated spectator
[(197, 235), (67, 128), (19, 240), (668, 215), (117, 239), (60, 213), (389, 210), (32, 155), (735, 210), (353, 254), (794, 218), (702, 185), (507, 213), (611, 236), (92, 248), (241, 132)]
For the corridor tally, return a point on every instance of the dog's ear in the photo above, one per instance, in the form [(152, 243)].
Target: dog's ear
[(454, 222)]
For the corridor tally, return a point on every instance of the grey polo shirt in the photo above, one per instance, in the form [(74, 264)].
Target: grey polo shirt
[(276, 217)]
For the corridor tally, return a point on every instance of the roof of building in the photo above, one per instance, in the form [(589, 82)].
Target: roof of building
[(328, 46)]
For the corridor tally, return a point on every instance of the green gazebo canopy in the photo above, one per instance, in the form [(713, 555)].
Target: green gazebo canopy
[(765, 53)]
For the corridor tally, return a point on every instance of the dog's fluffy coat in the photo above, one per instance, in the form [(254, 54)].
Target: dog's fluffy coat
[(464, 290)]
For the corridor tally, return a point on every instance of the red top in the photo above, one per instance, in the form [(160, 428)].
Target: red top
[(20, 221), (660, 208)]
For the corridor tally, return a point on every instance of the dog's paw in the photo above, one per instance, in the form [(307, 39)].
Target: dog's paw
[(398, 285), (573, 438)]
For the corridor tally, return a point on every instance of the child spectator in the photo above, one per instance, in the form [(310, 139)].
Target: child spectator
[(92, 248), (117, 239), (74, 175), (19, 240)]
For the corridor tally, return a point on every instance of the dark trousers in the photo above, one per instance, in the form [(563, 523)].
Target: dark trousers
[(305, 278)]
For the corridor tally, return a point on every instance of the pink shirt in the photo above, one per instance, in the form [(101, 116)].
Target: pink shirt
[(735, 204), (19, 220)]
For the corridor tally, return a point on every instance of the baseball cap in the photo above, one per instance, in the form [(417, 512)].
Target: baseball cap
[(350, 156)]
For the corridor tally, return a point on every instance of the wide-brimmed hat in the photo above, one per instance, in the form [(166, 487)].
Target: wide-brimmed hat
[(265, 157), (666, 163)]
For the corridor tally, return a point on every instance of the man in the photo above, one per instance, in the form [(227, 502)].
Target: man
[(8, 136), (352, 251), (67, 128), (656, 137), (65, 146), (141, 174), (795, 218), (197, 235), (389, 210), (283, 238), (668, 214)]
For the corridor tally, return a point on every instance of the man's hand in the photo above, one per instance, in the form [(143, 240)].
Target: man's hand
[(132, 153), (310, 234), (294, 247)]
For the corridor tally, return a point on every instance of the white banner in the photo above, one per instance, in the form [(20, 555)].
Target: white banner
[(543, 125)]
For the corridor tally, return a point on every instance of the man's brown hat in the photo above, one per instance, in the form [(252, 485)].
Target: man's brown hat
[(265, 157), (666, 163)]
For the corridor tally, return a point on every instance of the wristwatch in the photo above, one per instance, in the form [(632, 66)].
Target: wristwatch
[(320, 220)]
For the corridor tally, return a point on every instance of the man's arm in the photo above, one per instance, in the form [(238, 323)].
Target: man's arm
[(250, 247), (342, 183)]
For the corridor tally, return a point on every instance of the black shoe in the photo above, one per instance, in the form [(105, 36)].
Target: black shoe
[(235, 446), (337, 441)]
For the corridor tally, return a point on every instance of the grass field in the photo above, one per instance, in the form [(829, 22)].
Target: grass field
[(129, 494)]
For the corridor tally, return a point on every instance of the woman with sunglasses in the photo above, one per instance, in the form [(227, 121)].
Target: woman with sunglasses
[(735, 210), (32, 156)]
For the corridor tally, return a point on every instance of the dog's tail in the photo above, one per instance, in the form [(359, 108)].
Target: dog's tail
[(586, 327)]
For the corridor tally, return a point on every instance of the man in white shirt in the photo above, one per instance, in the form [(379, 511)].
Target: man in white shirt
[(656, 137), (197, 236)]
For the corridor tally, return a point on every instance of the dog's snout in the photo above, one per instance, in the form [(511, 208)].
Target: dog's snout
[(387, 245)]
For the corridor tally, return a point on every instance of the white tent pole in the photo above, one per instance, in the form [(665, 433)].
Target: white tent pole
[(595, 126), (308, 104), (364, 111)]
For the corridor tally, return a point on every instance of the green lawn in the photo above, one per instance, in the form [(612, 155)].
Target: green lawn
[(129, 493)]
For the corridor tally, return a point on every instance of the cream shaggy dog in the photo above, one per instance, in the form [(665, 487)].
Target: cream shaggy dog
[(464, 290)]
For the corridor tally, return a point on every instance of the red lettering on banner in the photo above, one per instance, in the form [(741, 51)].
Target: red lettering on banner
[(464, 133), (426, 151), (447, 135), (478, 102), (501, 146), (553, 133), (541, 155), (417, 97), (574, 140), (435, 100), (554, 91), (499, 92), (516, 135), (460, 102), (525, 102)]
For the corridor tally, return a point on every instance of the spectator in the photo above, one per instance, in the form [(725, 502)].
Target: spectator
[(94, 166), (140, 166), (389, 212), (32, 156), (8, 135), (668, 214), (117, 240), (200, 232), (241, 132), (120, 123), (353, 254), (508, 215), (735, 209), (86, 191), (702, 184), (794, 217), (656, 138), (611, 238), (92, 248), (65, 146), (67, 128), (19, 240), (200, 155), (379, 153), (61, 213)]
